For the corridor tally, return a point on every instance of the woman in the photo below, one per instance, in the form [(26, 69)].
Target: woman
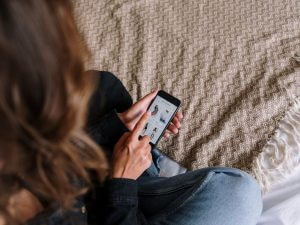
[(50, 169)]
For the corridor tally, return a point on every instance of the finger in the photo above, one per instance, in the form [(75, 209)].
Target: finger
[(179, 115), (140, 125), (167, 132), (145, 101), (137, 110), (142, 105), (176, 122), (173, 129), (166, 135), (146, 139), (122, 139)]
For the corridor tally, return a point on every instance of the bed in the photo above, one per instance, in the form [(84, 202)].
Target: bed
[(232, 63)]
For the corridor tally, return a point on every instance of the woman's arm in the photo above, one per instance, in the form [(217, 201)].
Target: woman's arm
[(116, 203), (131, 157)]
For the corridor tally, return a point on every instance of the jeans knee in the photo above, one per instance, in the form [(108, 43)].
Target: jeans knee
[(245, 194)]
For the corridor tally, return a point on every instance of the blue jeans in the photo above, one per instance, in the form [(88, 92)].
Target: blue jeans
[(210, 196)]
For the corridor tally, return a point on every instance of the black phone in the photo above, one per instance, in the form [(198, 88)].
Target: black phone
[(163, 108)]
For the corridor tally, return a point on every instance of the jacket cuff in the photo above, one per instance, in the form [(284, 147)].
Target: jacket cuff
[(122, 191)]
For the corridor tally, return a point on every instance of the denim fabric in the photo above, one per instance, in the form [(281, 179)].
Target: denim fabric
[(154, 169), (211, 196), (208, 196)]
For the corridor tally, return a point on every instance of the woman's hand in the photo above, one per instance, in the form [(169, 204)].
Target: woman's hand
[(135, 112), (132, 156)]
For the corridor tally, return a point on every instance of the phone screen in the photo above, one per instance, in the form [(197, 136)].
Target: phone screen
[(162, 112)]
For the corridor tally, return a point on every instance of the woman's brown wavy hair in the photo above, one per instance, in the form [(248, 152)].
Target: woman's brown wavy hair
[(44, 95)]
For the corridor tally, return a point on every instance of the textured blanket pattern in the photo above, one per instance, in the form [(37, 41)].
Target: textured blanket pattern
[(229, 61)]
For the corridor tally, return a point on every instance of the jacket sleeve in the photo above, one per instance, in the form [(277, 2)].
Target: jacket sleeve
[(107, 130), (121, 205)]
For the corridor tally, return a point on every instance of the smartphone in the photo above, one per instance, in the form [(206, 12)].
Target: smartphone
[(163, 108)]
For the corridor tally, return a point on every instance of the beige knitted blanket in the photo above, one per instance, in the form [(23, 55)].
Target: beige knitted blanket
[(229, 61)]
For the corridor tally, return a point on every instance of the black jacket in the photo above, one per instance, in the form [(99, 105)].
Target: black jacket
[(115, 203)]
